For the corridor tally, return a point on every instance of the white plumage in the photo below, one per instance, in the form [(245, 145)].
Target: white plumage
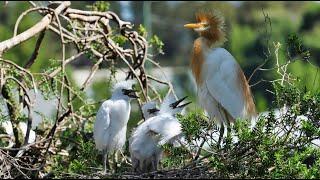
[(7, 125), (157, 130), (111, 121), (223, 90), (147, 107)]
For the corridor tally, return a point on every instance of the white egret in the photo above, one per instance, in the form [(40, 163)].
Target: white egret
[(111, 121), (223, 90), (157, 130), (7, 125)]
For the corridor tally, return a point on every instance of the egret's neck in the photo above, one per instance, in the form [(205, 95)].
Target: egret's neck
[(200, 46)]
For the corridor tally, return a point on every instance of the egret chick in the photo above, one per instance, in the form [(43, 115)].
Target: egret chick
[(157, 130), (111, 121)]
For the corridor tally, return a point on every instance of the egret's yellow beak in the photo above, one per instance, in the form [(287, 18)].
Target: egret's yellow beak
[(193, 25)]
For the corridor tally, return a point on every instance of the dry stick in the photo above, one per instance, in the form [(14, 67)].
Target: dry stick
[(71, 90), (24, 14), (36, 50), (92, 73), (96, 53), (84, 18), (27, 66), (58, 33), (21, 69), (12, 106), (107, 15), (29, 107), (50, 135), (25, 146), (200, 148), (155, 91), (70, 35), (111, 44), (44, 22), (164, 74), (72, 58)]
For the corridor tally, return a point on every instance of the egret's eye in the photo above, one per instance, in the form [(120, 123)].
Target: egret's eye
[(205, 26)]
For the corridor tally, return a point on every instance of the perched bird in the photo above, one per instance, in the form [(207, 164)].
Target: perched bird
[(7, 126), (223, 90), (162, 127), (111, 121)]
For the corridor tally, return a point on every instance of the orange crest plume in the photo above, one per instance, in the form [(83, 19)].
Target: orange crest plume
[(215, 34)]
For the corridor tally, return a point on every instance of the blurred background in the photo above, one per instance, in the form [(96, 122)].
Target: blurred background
[(251, 36)]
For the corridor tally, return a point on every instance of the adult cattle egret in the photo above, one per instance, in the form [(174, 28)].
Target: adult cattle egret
[(223, 90), (157, 130), (111, 121)]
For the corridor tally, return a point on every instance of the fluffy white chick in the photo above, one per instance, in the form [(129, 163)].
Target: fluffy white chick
[(112, 117), (157, 130)]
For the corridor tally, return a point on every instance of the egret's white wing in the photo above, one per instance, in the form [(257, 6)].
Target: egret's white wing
[(101, 124), (103, 115), (224, 83), (167, 127)]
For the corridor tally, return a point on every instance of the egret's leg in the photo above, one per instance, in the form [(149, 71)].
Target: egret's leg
[(105, 161), (154, 162), (143, 166), (135, 164), (221, 134), (115, 160), (228, 130)]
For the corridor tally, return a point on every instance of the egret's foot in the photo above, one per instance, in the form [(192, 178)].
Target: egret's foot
[(103, 172)]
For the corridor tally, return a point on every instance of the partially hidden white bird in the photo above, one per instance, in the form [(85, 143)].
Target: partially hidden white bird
[(112, 117), (7, 126), (160, 128), (223, 90)]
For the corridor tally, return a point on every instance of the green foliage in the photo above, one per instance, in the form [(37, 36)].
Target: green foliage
[(82, 157), (154, 41), (121, 40), (157, 43), (296, 48), (194, 124), (101, 6), (142, 31), (175, 157), (279, 145)]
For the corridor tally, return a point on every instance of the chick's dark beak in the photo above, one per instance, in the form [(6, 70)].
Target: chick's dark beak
[(130, 92), (175, 104), (153, 110), (183, 105)]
